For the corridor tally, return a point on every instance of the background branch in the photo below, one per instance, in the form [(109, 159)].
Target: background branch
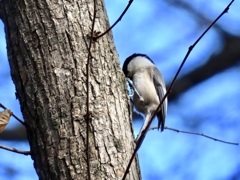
[(228, 57), (17, 133)]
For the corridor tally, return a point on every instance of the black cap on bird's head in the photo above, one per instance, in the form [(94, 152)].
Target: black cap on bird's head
[(128, 60)]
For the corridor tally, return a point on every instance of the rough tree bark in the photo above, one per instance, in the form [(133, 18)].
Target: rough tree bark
[(47, 51)]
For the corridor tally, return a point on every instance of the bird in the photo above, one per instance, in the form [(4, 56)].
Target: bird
[(149, 88)]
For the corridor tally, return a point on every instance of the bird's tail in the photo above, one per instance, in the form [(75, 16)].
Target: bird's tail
[(161, 121)]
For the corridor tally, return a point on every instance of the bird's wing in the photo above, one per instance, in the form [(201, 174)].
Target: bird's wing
[(161, 91)]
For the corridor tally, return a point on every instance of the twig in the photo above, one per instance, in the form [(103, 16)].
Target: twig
[(196, 133), (15, 150), (88, 92), (18, 119), (119, 19), (141, 138)]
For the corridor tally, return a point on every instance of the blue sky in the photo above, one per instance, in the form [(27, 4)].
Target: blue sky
[(164, 33)]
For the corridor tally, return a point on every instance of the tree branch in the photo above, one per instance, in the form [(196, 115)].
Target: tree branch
[(15, 150), (216, 63), (114, 24), (196, 133), (142, 136)]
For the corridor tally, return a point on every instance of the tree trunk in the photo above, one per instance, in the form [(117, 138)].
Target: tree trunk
[(47, 50)]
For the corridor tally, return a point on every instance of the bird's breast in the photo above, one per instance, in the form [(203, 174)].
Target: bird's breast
[(145, 86)]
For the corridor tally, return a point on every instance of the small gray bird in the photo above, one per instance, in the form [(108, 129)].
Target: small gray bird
[(149, 88)]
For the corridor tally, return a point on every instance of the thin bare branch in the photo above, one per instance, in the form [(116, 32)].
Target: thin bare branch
[(88, 91), (18, 119), (15, 150), (196, 133), (142, 136), (119, 19)]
